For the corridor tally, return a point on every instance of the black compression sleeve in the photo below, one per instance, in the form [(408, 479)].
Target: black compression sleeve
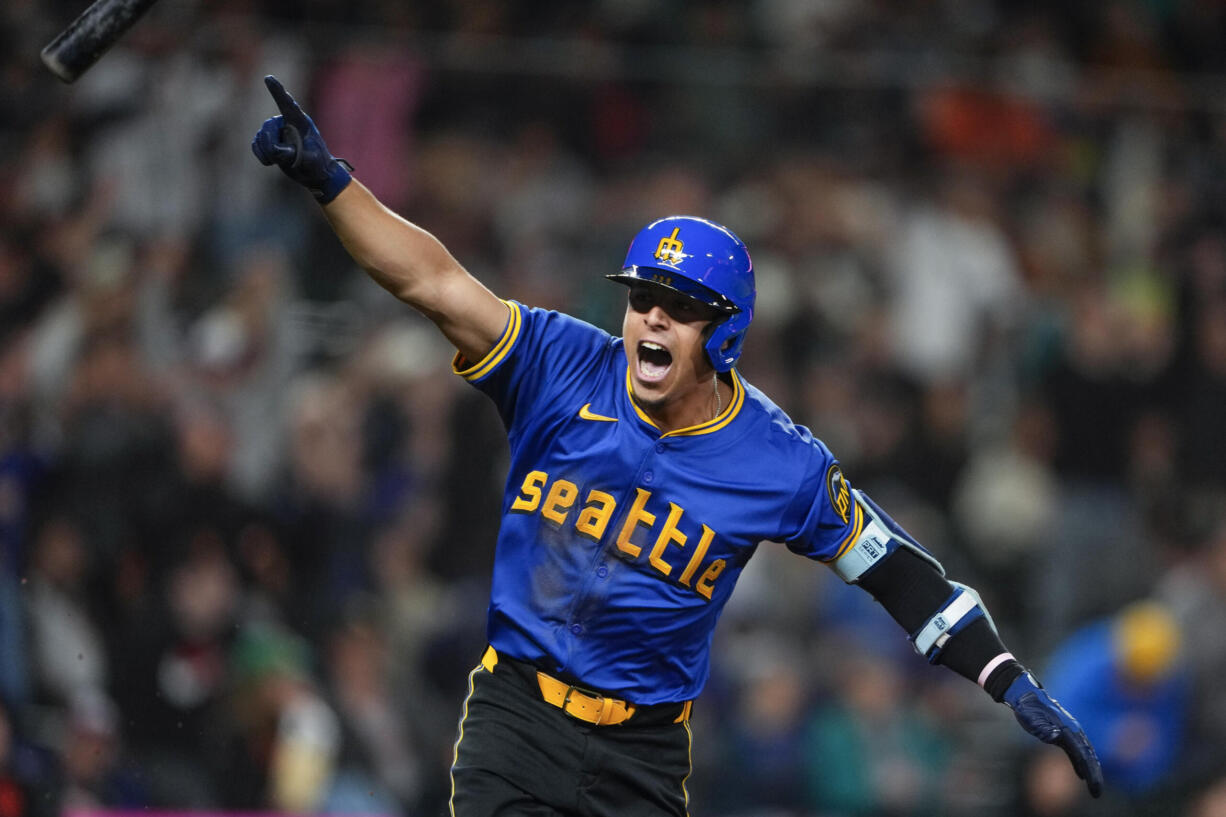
[(911, 590)]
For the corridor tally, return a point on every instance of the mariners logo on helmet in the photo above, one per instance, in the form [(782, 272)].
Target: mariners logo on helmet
[(671, 250), (705, 261)]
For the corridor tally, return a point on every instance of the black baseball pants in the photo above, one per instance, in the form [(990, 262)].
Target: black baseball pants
[(518, 755)]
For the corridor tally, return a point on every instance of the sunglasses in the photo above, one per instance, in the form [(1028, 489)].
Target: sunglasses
[(679, 307)]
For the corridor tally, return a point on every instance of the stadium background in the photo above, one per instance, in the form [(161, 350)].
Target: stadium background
[(246, 512)]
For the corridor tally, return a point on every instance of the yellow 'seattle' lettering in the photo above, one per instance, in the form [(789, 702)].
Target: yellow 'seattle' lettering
[(700, 553), (555, 498), (638, 515), (596, 513), (530, 492), (668, 534), (562, 494), (707, 583)]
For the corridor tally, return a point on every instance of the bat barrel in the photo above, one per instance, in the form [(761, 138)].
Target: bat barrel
[(89, 36)]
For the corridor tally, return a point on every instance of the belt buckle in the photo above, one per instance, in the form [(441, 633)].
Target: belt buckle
[(599, 713)]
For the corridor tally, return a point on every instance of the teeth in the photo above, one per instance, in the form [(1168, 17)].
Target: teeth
[(653, 346), (650, 371)]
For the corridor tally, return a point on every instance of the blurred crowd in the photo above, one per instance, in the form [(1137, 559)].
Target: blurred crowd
[(247, 513)]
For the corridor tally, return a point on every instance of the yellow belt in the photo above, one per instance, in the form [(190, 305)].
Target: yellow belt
[(581, 704)]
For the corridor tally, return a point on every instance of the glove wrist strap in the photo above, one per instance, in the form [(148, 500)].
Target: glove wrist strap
[(339, 176)]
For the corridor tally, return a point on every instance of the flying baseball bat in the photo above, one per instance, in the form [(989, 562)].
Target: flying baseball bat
[(89, 36)]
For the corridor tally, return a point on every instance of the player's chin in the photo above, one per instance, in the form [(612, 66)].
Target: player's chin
[(649, 392)]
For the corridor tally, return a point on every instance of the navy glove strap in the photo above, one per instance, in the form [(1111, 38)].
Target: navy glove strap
[(293, 142), (1042, 716)]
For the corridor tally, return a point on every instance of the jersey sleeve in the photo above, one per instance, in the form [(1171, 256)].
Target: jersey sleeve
[(827, 520), (541, 357)]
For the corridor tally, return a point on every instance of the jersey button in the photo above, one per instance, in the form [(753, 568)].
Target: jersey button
[(660, 448), (602, 571), (576, 628), (648, 476)]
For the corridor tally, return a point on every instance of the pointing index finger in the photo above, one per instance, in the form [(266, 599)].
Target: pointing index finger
[(285, 103)]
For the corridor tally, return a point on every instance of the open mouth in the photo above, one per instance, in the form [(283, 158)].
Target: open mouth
[(654, 361)]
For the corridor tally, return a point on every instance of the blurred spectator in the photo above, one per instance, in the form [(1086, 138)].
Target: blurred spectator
[(1127, 680), (243, 353), (175, 675), (415, 608), (97, 775), (954, 280), (762, 739), (320, 504), (1119, 345), (1194, 590), (289, 737), (869, 753), (1005, 505), (67, 651), (113, 448), (378, 770), (1096, 394)]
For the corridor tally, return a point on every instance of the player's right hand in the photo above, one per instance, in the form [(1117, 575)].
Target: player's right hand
[(293, 143), (1042, 716)]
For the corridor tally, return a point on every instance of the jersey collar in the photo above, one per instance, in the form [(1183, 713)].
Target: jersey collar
[(724, 418)]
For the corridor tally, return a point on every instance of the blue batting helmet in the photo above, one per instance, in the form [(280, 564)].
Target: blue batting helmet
[(705, 261)]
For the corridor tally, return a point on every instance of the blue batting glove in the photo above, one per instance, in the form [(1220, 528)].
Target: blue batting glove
[(293, 143), (1042, 716)]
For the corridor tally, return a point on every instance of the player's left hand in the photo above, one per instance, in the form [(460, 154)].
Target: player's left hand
[(1042, 716), (293, 143)]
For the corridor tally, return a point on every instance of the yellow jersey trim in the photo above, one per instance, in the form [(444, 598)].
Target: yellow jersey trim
[(495, 356), (724, 418)]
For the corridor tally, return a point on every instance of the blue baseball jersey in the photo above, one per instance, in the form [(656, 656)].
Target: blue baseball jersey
[(620, 545)]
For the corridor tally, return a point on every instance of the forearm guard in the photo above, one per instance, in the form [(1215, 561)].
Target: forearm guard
[(946, 621), (914, 593)]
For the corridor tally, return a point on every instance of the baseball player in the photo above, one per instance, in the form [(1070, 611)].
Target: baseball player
[(644, 473)]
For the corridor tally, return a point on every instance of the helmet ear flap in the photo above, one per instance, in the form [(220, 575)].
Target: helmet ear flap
[(723, 345)]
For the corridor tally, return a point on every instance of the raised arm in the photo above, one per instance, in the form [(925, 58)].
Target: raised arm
[(401, 257), (948, 624)]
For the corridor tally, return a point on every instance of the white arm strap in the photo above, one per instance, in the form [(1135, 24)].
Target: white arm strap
[(937, 631), (874, 542)]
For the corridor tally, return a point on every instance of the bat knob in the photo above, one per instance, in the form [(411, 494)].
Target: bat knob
[(89, 36), (51, 58), (291, 134)]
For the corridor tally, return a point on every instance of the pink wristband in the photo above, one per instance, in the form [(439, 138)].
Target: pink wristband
[(993, 664)]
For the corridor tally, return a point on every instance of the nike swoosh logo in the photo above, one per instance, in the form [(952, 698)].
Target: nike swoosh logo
[(585, 413)]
